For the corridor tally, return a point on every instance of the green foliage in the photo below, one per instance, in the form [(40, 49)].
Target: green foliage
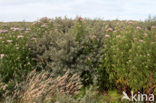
[(129, 57), (119, 54), (80, 29), (15, 60), (57, 51)]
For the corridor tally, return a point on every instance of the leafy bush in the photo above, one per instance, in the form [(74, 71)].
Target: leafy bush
[(76, 49), (129, 57), (15, 60)]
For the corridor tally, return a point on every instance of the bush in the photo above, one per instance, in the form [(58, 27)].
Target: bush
[(76, 49), (129, 57), (15, 61)]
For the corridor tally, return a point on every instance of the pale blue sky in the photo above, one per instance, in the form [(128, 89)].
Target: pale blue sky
[(30, 10)]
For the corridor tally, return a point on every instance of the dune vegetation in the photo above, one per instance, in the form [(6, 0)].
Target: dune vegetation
[(78, 60)]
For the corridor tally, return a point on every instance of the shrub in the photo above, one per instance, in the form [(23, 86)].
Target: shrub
[(15, 60), (77, 49), (129, 57)]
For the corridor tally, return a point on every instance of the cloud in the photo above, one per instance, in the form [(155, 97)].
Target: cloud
[(30, 10)]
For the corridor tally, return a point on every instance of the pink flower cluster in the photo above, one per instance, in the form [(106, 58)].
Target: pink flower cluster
[(28, 29), (9, 41), (138, 27), (1, 56), (36, 22), (3, 31), (109, 29), (154, 27), (45, 18), (44, 25), (20, 36), (141, 41), (130, 22), (107, 36), (16, 29), (79, 18)]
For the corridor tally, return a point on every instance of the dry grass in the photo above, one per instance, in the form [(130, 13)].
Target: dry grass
[(40, 86)]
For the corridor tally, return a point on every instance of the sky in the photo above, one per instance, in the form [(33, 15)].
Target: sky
[(31, 10)]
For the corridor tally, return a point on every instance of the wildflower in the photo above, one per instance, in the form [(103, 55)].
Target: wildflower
[(44, 25), (4, 25), (1, 56), (138, 27), (36, 22), (153, 27), (141, 40), (145, 34), (107, 36), (130, 22), (45, 19), (79, 18), (28, 63), (114, 31), (118, 36), (4, 87), (3, 31), (28, 29), (0, 37), (15, 29), (153, 42), (109, 29), (9, 41), (20, 36)]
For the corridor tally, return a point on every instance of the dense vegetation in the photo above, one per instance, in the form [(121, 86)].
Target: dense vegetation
[(76, 61)]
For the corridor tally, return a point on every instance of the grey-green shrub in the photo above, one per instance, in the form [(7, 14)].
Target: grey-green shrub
[(76, 49)]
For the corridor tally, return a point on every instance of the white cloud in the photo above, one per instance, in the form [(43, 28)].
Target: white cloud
[(17, 10)]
